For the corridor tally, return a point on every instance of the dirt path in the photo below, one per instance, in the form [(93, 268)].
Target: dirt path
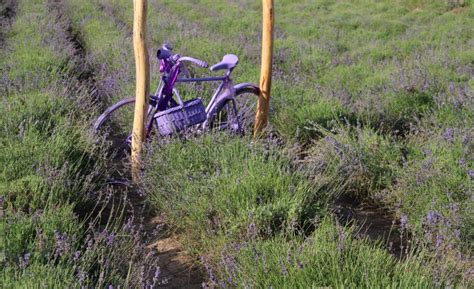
[(178, 269), (372, 222)]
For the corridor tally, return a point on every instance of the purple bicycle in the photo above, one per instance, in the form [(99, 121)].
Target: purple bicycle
[(231, 108)]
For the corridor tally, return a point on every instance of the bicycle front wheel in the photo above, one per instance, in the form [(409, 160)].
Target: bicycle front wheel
[(116, 125)]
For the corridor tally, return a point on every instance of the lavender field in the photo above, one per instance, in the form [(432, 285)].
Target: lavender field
[(365, 178)]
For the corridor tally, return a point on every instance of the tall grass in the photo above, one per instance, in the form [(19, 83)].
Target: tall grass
[(257, 222), (218, 186), (43, 148), (361, 87), (371, 101), (60, 225), (330, 257)]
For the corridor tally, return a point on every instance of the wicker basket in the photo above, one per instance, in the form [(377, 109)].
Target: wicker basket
[(175, 119)]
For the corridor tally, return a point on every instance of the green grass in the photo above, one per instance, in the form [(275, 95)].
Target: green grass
[(371, 75), (363, 160), (217, 186), (349, 50), (62, 225), (46, 155), (260, 223), (435, 178), (108, 48), (359, 84), (327, 258), (33, 234), (371, 101)]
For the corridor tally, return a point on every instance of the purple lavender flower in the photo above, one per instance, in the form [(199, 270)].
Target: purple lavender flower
[(238, 246), (251, 231), (156, 276), (110, 238), (299, 263), (25, 261), (457, 234), (230, 264), (419, 180), (448, 135), (289, 259), (454, 208), (77, 255), (333, 142), (403, 221), (403, 224), (466, 140), (90, 243), (284, 269), (212, 277), (62, 244), (142, 276), (336, 145), (341, 240), (439, 240), (427, 152), (427, 164), (469, 274), (128, 225), (433, 218), (81, 276), (470, 173)]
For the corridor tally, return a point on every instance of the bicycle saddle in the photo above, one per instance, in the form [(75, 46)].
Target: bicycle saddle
[(228, 62)]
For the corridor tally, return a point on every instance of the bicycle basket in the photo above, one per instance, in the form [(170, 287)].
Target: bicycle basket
[(175, 119)]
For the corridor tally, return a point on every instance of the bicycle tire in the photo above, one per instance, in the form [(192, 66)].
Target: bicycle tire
[(116, 124), (246, 98)]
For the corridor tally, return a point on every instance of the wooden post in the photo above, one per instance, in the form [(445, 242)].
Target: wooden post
[(263, 106), (142, 83)]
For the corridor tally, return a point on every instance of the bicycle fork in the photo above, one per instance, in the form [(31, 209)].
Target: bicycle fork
[(224, 93)]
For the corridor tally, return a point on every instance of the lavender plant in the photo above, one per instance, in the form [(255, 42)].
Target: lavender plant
[(373, 102), (52, 170)]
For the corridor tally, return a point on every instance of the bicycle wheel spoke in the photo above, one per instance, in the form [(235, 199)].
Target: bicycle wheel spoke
[(246, 111), (236, 115)]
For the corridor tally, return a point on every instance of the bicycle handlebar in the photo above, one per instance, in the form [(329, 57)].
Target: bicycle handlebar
[(196, 61), (165, 53)]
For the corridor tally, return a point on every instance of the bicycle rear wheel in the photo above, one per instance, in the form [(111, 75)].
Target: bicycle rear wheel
[(237, 115), (116, 124)]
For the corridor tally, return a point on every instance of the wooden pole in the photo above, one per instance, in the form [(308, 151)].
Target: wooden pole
[(142, 83), (263, 106)]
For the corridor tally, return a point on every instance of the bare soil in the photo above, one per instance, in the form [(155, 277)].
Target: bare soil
[(178, 268), (372, 222)]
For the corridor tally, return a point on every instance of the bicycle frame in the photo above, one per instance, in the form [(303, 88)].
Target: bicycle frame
[(226, 83), (166, 89)]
